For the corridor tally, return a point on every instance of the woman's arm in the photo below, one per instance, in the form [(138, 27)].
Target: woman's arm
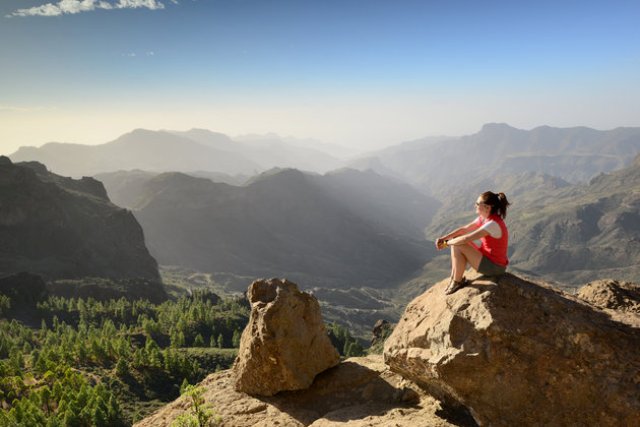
[(460, 231), (455, 233), (469, 237)]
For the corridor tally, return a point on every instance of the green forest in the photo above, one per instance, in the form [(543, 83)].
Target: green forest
[(84, 362)]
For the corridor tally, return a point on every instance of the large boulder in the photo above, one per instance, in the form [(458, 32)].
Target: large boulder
[(520, 353), (285, 345)]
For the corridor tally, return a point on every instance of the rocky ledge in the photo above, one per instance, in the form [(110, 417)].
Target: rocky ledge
[(520, 353)]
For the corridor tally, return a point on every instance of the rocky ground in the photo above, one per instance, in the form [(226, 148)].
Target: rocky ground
[(502, 352), (359, 391)]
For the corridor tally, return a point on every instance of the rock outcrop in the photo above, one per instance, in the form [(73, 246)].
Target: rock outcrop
[(519, 353), (612, 294), (358, 392), (61, 228), (285, 345)]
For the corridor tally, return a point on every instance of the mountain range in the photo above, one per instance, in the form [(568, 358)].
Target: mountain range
[(333, 228), (577, 234), (436, 165), (337, 230), (191, 151), (61, 228)]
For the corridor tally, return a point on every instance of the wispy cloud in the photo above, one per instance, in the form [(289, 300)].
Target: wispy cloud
[(70, 7), (18, 109)]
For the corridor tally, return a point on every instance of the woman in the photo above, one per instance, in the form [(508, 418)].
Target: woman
[(490, 258)]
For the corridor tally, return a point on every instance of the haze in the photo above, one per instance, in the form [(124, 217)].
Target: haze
[(362, 74)]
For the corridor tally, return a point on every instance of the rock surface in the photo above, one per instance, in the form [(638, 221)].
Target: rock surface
[(285, 345), (611, 294), (358, 392), (519, 353)]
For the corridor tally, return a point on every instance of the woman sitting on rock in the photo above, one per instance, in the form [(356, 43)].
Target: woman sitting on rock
[(490, 258)]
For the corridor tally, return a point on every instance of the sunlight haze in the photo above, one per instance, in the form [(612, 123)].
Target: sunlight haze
[(359, 74)]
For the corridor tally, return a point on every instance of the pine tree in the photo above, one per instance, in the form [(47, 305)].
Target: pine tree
[(122, 368), (237, 335), (198, 341)]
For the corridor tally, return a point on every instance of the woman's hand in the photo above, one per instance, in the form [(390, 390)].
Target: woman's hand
[(441, 243)]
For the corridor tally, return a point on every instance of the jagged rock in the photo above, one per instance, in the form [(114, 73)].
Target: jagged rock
[(358, 392), (611, 294), (380, 330), (285, 345), (520, 353)]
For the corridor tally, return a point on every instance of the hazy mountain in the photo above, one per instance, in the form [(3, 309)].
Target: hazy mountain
[(126, 188), (387, 203), (64, 228), (141, 149), (269, 150), (337, 230), (274, 151), (573, 154), (165, 151), (522, 190)]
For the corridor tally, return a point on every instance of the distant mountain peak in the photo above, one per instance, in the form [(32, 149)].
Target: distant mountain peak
[(279, 175), (494, 127)]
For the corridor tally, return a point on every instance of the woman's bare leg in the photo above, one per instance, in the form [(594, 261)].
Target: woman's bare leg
[(460, 256)]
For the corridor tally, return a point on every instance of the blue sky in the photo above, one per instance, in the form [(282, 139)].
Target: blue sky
[(359, 73)]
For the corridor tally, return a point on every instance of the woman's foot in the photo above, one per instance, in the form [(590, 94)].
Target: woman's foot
[(455, 285)]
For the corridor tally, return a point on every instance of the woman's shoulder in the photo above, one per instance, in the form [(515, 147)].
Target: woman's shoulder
[(495, 218)]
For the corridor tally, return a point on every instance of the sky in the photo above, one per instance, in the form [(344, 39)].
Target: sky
[(362, 74)]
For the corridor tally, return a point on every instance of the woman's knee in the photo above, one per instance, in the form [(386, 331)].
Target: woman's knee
[(458, 252)]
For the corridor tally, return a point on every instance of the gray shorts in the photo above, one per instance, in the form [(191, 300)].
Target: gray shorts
[(489, 268)]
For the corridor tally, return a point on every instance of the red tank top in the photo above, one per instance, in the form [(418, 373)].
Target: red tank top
[(492, 248)]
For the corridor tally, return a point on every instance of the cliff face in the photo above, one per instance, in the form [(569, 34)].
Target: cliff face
[(62, 228)]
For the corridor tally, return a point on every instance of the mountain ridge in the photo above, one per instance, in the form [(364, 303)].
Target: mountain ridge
[(573, 154), (65, 229), (162, 151), (284, 221)]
